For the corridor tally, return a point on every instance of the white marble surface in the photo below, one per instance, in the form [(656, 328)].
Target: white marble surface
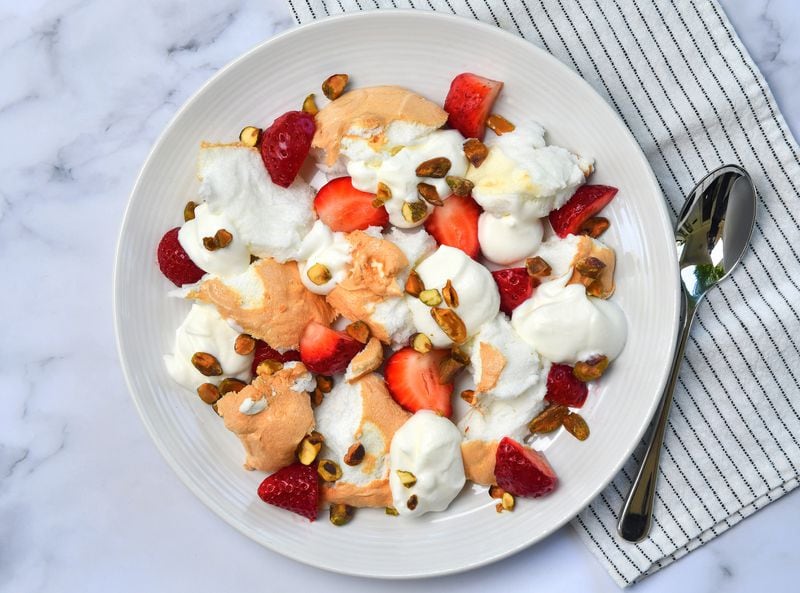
[(86, 502)]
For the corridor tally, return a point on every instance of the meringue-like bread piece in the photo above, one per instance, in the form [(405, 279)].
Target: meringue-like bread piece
[(479, 460), (563, 254), (267, 301), (270, 220), (372, 110), (371, 279), (352, 414), (270, 416)]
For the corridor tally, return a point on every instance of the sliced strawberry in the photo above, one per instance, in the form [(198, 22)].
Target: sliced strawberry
[(587, 201), (469, 102), (564, 388), (285, 145), (456, 224), (264, 352), (414, 380), (515, 286), (174, 262), (523, 471), (294, 488), (326, 351), (344, 208)]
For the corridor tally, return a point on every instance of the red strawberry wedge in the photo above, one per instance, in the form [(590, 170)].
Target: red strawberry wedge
[(456, 224), (174, 262), (264, 352), (523, 471), (587, 201), (285, 145), (469, 102), (414, 381), (344, 208), (326, 351), (564, 388), (515, 286), (294, 488)]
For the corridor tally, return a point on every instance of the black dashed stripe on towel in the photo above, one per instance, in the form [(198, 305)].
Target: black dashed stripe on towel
[(677, 75)]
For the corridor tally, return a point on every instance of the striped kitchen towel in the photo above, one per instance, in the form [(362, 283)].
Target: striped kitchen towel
[(686, 87)]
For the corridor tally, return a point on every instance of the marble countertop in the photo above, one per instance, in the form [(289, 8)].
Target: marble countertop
[(86, 502)]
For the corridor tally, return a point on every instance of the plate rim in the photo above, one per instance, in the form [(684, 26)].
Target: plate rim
[(480, 27)]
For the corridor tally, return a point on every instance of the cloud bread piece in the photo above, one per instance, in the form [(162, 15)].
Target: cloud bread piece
[(502, 364), (359, 412), (479, 460), (272, 220), (372, 279), (563, 254), (267, 301), (373, 109), (270, 437)]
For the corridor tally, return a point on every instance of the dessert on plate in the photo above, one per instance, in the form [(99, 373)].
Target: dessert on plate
[(406, 319)]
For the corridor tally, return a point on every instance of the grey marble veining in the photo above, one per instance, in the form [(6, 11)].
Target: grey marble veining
[(86, 502)]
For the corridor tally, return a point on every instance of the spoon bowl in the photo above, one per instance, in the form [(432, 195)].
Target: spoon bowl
[(712, 235), (714, 229)]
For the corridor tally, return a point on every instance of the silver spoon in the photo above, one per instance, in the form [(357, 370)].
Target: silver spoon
[(712, 234)]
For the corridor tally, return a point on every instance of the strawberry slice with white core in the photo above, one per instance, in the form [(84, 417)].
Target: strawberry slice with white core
[(469, 102), (414, 381), (456, 224), (586, 202), (344, 208), (326, 351), (523, 471)]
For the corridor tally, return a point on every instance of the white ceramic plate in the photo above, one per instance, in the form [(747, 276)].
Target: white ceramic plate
[(422, 51)]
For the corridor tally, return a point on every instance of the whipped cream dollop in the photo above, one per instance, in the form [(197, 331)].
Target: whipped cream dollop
[(358, 143), (429, 447), (225, 261), (523, 177), (395, 165), (204, 330), (270, 219), (565, 325), (327, 248), (508, 239), (478, 298)]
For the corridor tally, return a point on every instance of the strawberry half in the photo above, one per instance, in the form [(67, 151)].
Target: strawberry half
[(344, 208), (294, 488), (174, 262), (515, 286), (264, 352), (456, 224), (564, 388), (586, 202), (326, 351), (469, 102), (414, 380), (523, 471), (285, 145)]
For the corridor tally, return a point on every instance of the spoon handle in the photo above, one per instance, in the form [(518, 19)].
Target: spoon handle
[(636, 514)]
